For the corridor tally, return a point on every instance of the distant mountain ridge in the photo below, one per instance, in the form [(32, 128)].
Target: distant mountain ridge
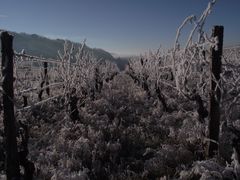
[(42, 46), (37, 45)]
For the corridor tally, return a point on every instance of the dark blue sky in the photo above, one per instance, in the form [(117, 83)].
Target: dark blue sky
[(119, 26)]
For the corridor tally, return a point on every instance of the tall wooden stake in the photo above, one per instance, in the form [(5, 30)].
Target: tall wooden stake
[(12, 160), (215, 93), (44, 81)]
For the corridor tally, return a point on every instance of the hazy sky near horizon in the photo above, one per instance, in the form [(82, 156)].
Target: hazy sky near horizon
[(125, 27)]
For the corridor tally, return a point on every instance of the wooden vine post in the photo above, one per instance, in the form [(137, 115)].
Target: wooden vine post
[(25, 101), (45, 80), (73, 100), (12, 159), (215, 93), (45, 64)]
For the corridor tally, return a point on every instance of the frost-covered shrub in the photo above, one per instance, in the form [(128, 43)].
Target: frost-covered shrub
[(166, 160), (208, 169)]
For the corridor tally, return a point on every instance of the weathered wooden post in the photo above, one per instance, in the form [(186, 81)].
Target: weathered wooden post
[(73, 100), (98, 81), (215, 93), (25, 101), (44, 81), (45, 64), (12, 159)]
